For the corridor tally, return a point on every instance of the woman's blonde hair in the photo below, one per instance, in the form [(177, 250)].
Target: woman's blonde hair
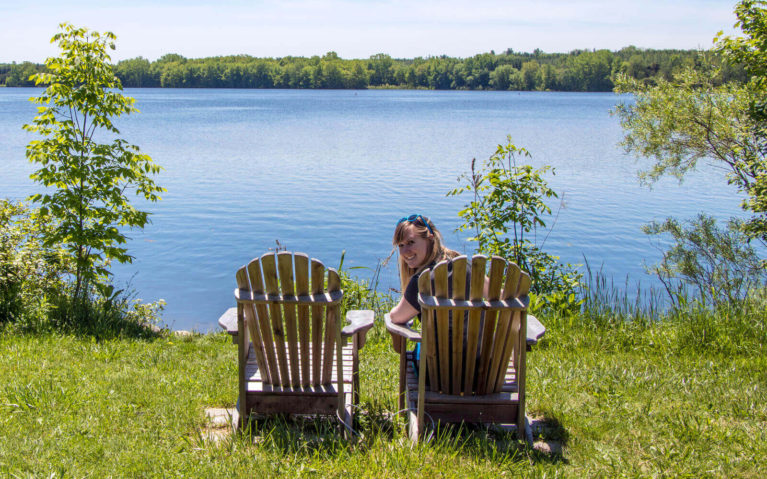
[(437, 252)]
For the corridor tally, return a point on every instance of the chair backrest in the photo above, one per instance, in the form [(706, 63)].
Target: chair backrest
[(292, 316), (468, 341)]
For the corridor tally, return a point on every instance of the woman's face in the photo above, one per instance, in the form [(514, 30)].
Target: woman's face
[(413, 248)]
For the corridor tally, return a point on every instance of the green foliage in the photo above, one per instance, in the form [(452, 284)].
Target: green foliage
[(113, 315), (750, 50), (32, 274), (507, 208), (361, 293), (18, 75), (35, 295), (579, 70), (88, 181), (682, 122), (695, 117), (718, 264)]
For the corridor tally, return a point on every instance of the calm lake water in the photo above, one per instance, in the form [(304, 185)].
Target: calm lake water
[(327, 171)]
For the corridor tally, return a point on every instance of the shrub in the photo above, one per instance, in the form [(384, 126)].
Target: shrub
[(32, 274), (507, 209), (715, 266)]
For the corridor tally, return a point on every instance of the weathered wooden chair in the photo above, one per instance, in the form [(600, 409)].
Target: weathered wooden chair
[(472, 349), (298, 359)]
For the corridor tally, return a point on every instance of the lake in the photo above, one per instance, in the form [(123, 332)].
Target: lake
[(329, 171)]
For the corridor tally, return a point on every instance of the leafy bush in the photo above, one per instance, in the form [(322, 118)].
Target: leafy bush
[(507, 209), (36, 294), (31, 273), (105, 317), (715, 266)]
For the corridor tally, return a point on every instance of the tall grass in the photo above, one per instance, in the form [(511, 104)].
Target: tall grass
[(738, 327)]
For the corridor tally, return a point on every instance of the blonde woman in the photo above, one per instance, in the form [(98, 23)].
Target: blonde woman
[(420, 247)]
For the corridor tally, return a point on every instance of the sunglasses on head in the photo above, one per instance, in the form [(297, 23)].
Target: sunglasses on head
[(413, 219)]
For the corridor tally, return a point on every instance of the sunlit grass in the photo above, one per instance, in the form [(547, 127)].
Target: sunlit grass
[(656, 397)]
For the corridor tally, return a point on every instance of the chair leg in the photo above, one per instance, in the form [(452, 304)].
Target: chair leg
[(414, 431), (528, 433), (402, 373), (237, 419), (355, 370), (242, 360), (347, 422)]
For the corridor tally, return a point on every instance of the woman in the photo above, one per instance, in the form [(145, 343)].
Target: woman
[(420, 246)]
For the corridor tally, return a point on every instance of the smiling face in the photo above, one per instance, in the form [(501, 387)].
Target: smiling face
[(413, 248)]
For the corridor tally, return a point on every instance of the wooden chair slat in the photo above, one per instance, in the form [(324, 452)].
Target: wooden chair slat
[(272, 374), (459, 293), (285, 270), (443, 329), (512, 281), (318, 321), (328, 343), (497, 267), (428, 328), (331, 326), (521, 365), (478, 265), (493, 359), (272, 286), (252, 322), (334, 318), (269, 272), (498, 362), (302, 289), (511, 346), (460, 265), (506, 326), (334, 280), (524, 284), (287, 288)]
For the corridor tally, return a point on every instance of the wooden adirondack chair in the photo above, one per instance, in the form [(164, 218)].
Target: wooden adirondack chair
[(472, 348), (298, 359)]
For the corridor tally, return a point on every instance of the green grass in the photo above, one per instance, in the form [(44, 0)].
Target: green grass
[(645, 399)]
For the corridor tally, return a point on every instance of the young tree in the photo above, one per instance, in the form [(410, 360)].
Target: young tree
[(507, 207), (695, 117), (87, 169)]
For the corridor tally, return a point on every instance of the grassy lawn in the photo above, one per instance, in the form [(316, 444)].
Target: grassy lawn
[(622, 400)]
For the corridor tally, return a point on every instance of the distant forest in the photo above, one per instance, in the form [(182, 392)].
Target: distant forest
[(579, 70)]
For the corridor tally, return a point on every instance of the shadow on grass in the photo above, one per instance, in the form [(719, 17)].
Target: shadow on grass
[(292, 434), (312, 436)]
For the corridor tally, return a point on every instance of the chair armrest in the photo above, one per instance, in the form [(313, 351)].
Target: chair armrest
[(359, 321), (402, 330), (535, 330), (228, 321)]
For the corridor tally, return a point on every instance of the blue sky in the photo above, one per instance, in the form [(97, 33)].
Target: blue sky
[(358, 29)]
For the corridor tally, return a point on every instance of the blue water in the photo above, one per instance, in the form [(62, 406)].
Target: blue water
[(328, 171)]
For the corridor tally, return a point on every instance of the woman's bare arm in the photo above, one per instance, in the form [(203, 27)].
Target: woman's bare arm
[(403, 312)]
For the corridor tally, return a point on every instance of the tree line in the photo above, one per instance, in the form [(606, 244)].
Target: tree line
[(578, 70)]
